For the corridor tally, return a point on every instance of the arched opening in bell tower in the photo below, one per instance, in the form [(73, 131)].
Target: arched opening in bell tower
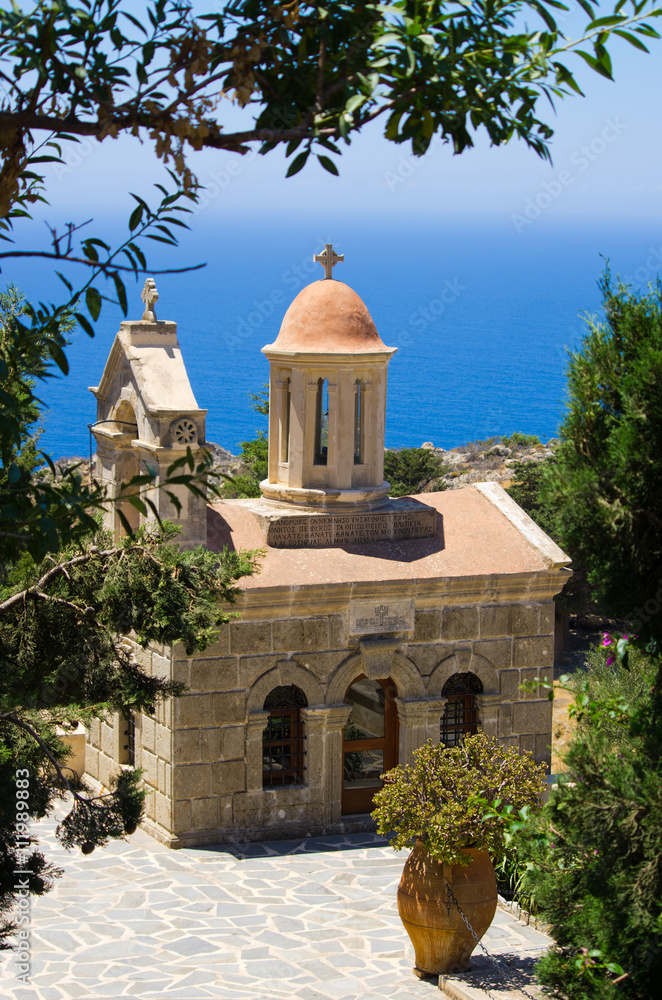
[(125, 419), (322, 422), (285, 423), (359, 422), (128, 467)]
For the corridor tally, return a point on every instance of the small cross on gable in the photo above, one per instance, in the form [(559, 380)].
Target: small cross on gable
[(150, 297), (328, 259)]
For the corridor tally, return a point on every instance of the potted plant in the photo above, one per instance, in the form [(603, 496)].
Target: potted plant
[(452, 806)]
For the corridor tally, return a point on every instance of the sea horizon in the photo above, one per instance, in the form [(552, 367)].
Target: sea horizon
[(482, 315)]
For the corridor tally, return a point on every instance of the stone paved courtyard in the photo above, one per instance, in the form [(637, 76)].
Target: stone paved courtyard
[(311, 920)]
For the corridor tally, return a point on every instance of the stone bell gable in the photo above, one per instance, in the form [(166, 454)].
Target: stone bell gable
[(147, 417)]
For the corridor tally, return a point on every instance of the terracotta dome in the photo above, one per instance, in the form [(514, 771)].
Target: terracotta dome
[(328, 317)]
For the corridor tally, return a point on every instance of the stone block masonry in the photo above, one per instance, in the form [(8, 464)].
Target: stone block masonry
[(214, 731)]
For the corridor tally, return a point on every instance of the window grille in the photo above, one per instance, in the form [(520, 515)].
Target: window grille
[(130, 737), (460, 717), (284, 740)]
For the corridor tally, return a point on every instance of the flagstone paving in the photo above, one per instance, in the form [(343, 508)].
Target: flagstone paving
[(301, 920)]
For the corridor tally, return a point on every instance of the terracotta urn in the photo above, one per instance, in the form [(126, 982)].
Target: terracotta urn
[(442, 943)]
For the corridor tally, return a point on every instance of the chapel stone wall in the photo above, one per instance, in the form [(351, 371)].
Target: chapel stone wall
[(217, 725), (105, 754)]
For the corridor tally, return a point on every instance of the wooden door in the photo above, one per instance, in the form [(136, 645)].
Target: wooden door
[(370, 741)]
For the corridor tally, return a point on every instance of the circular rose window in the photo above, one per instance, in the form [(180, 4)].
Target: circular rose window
[(184, 431)]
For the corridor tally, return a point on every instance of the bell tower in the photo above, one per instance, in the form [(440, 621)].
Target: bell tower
[(328, 372), (147, 418)]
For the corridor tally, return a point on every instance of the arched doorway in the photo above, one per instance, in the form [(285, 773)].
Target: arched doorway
[(370, 741), (460, 717)]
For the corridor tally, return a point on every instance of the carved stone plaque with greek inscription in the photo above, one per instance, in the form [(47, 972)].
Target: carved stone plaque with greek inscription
[(374, 617), (397, 520)]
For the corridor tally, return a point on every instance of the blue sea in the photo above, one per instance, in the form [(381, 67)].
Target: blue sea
[(482, 316)]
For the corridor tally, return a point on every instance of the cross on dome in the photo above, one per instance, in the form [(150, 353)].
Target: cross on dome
[(328, 259), (150, 297)]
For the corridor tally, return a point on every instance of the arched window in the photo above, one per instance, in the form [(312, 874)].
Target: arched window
[(322, 422), (283, 740), (125, 419), (126, 423), (460, 718), (359, 421)]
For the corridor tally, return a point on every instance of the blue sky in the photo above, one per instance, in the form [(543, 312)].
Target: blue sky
[(606, 154)]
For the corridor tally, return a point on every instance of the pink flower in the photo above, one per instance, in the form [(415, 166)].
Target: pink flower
[(610, 660), (606, 639)]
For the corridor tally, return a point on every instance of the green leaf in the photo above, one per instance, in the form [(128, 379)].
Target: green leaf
[(328, 165), (605, 22), (124, 522), (85, 323), (65, 282), (120, 291), (392, 126), (632, 39), (355, 101), (136, 217), (297, 163), (59, 357), (390, 38), (93, 302), (136, 502)]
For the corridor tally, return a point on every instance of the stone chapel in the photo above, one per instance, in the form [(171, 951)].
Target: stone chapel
[(374, 623)]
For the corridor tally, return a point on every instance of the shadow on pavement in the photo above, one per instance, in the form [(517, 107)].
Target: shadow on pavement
[(305, 845)]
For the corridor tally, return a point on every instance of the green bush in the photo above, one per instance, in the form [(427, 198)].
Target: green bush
[(519, 440), (409, 470), (593, 857), (606, 483), (446, 798), (254, 458), (526, 490)]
